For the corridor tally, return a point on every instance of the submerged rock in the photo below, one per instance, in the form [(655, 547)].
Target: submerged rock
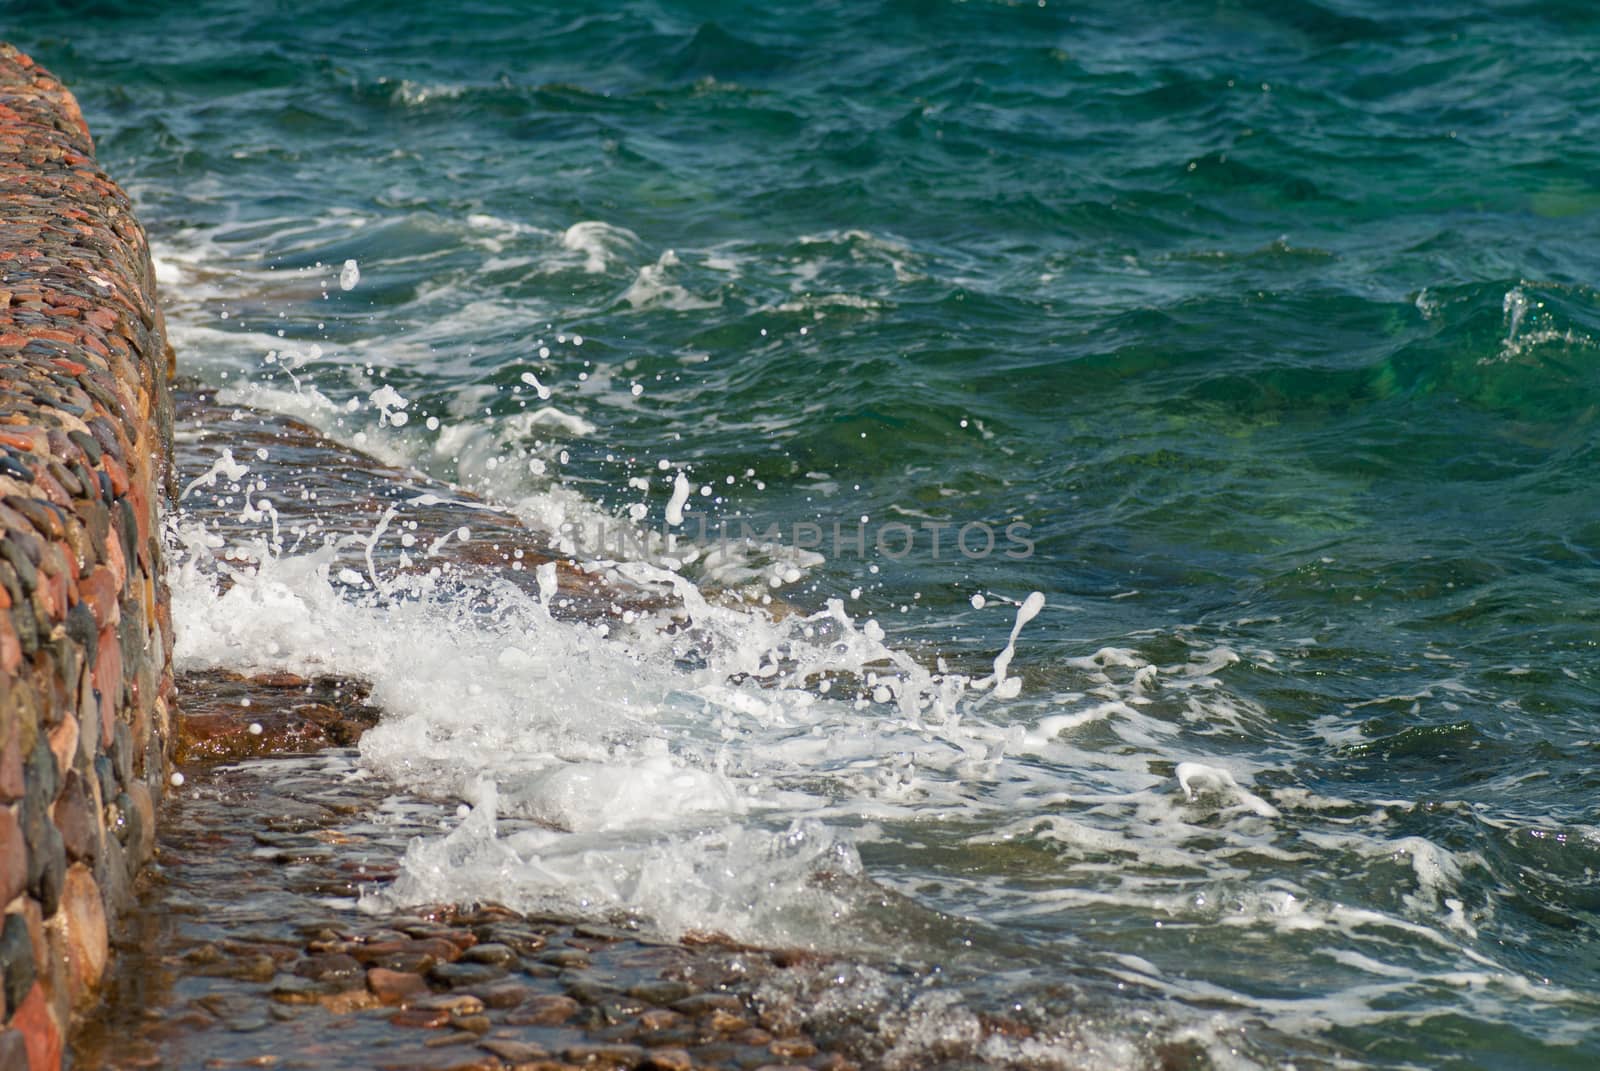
[(396, 987)]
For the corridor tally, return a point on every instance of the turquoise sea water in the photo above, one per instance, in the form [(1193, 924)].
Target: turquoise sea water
[(1275, 323)]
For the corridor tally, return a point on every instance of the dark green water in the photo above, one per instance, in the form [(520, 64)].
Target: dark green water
[(1275, 322)]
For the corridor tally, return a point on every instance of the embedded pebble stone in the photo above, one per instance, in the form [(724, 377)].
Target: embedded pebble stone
[(837, 1062), (297, 991), (460, 1037), (719, 1054), (792, 1048), (47, 852), (514, 1052), (493, 953), (661, 1019), (116, 881), (16, 959), (125, 821), (547, 1010), (423, 1018), (604, 935), (395, 987), (347, 1001), (605, 1055), (201, 955), (13, 856), (52, 851), (706, 1003), (63, 738), (227, 1005), (143, 832), (88, 945), (454, 1003), (407, 962), (588, 944), (668, 1059), (34, 1021), (440, 949), (12, 785), (477, 1024), (43, 774), (122, 752), (455, 975), (585, 991), (461, 939), (257, 967), (324, 945), (501, 995), (726, 1022), (375, 952), (481, 1062), (330, 967), (662, 991), (105, 773), (525, 944), (75, 817), (13, 1050)]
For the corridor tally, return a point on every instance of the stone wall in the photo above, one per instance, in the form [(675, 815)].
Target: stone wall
[(86, 686)]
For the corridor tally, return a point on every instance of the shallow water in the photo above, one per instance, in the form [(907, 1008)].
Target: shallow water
[(1274, 323), (248, 948)]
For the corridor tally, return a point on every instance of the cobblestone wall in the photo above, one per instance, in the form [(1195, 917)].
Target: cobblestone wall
[(85, 635)]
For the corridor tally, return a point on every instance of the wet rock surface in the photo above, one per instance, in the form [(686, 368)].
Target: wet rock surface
[(230, 716), (247, 950), (323, 492), (248, 947)]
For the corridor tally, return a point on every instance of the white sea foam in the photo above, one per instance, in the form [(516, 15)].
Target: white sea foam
[(1200, 780), (416, 94), (600, 243), (653, 288), (608, 743)]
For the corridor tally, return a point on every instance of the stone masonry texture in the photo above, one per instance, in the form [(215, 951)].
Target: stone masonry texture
[(86, 686)]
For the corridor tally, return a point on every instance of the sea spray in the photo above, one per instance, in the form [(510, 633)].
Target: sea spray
[(606, 750)]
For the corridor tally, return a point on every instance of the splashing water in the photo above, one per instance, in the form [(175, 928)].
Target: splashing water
[(687, 768), (1284, 349)]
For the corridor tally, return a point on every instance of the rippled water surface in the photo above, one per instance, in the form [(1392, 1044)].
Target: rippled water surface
[(1274, 325)]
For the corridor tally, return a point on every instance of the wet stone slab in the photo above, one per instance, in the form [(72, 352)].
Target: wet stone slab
[(324, 492), (231, 716), (247, 950), (248, 947)]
